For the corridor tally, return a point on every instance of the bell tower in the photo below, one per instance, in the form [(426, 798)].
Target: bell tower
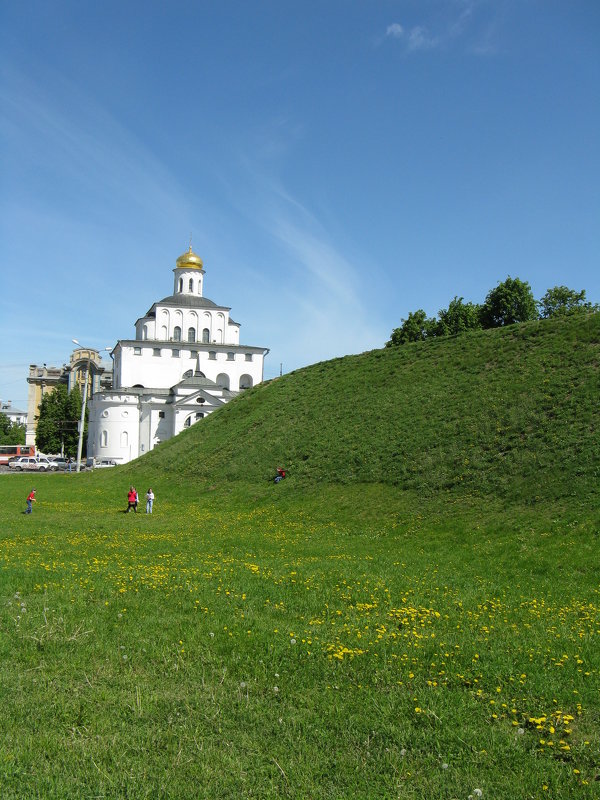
[(189, 274)]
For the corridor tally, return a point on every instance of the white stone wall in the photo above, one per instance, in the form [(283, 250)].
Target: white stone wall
[(139, 366), (232, 363), (145, 328), (213, 326), (114, 427), (122, 426), (188, 281)]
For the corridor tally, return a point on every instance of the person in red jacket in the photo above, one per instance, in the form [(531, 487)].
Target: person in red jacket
[(30, 500), (131, 500)]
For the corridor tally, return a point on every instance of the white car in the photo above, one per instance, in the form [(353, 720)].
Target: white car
[(59, 462), (105, 462), (38, 463)]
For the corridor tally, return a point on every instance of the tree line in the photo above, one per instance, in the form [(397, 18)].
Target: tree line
[(509, 302), (11, 432), (58, 421)]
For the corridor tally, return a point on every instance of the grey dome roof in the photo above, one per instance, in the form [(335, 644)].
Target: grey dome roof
[(185, 301)]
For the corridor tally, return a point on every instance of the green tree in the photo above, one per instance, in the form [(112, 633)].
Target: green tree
[(5, 426), (561, 300), (458, 318), (10, 432), (511, 301), (57, 428), (414, 328)]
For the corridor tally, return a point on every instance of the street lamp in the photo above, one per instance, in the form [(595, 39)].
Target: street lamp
[(84, 400)]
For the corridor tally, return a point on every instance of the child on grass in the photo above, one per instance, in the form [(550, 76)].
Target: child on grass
[(149, 501), (30, 500), (131, 500)]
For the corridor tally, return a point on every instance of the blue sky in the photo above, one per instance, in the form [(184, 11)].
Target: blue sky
[(337, 164)]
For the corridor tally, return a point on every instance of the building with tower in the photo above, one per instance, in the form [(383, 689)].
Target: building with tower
[(43, 379), (185, 362)]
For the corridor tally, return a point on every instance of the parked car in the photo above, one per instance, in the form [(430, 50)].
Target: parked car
[(38, 463), (59, 462), (104, 462)]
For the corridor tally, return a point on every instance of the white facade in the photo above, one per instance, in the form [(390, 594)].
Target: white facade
[(185, 362), (16, 416)]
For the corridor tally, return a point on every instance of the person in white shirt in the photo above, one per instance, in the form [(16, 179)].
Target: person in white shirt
[(149, 501)]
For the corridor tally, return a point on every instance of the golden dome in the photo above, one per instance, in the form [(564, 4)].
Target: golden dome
[(189, 260)]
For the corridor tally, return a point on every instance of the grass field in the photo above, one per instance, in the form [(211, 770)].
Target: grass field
[(262, 641), (413, 613)]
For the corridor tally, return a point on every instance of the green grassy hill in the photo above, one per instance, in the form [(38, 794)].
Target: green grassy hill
[(508, 412)]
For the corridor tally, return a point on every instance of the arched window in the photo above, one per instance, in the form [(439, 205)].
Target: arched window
[(191, 334), (104, 439), (163, 333), (145, 332), (245, 382), (206, 336), (223, 380), (181, 284), (177, 333), (191, 285), (188, 422), (124, 439)]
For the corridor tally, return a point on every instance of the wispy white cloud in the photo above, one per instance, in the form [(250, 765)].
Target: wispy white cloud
[(312, 291), (60, 128), (420, 38), (415, 38), (333, 276), (332, 318), (395, 30), (91, 199)]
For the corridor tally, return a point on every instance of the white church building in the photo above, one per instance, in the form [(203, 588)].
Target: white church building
[(186, 361)]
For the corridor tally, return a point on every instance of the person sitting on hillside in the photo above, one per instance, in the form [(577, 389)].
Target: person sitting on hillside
[(280, 474)]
